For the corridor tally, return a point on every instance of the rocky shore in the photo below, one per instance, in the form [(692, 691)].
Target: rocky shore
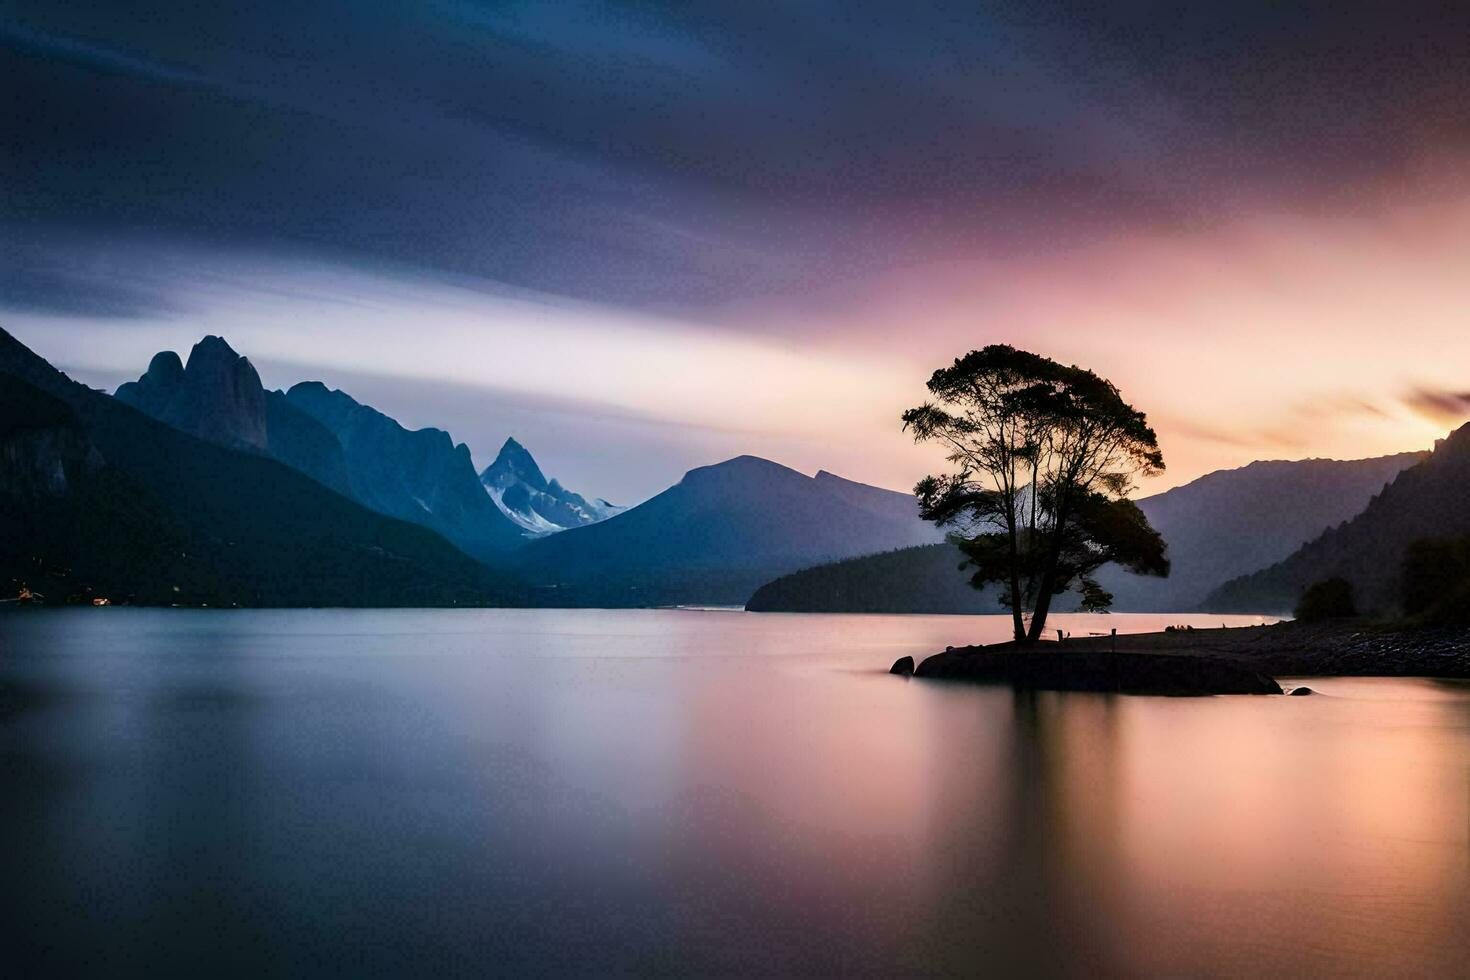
[(1243, 660), (1344, 648)]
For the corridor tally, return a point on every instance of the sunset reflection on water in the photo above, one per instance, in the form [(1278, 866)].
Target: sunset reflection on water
[(701, 792)]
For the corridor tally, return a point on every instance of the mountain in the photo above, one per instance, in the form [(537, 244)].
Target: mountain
[(72, 527), (1232, 522), (419, 476), (718, 534), (1218, 526), (1427, 501), (416, 475), (538, 505), (218, 397), (43, 448), (102, 499), (885, 505)]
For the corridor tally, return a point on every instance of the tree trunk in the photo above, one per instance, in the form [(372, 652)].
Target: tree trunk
[(1018, 626), (1049, 573), (1043, 606)]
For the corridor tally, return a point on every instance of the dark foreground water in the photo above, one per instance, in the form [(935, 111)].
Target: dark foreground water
[(510, 792)]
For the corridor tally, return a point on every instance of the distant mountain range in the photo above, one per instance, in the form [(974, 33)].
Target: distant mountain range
[(1428, 501), (536, 504), (100, 500), (417, 475), (195, 484), (717, 534), (1232, 522), (710, 539), (420, 476), (1217, 527)]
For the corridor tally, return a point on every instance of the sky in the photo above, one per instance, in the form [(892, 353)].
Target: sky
[(643, 237)]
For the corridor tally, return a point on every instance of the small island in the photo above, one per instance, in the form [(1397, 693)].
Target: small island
[(1094, 670), (1240, 660)]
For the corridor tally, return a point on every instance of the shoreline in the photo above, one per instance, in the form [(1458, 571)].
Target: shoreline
[(1212, 661)]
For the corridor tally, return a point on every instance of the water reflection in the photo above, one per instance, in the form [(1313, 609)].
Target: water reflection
[(540, 791)]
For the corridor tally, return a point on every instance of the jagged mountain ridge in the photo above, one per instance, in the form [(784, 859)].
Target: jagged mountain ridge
[(418, 475), (421, 476), (169, 517), (540, 506), (218, 396)]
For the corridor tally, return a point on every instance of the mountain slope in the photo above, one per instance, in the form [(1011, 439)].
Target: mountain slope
[(538, 505), (1430, 500), (1232, 522), (1218, 526), (247, 529), (716, 535), (415, 475), (888, 505), (71, 526), (304, 444)]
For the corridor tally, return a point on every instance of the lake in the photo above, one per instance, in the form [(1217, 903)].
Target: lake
[(362, 793)]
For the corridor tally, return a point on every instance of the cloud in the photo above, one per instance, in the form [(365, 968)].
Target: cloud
[(74, 280), (94, 55), (684, 158), (1442, 407), (646, 397), (1224, 210)]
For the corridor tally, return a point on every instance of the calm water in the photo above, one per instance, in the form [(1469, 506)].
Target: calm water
[(360, 793)]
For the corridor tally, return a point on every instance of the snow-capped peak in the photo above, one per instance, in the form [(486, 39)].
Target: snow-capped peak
[(538, 505)]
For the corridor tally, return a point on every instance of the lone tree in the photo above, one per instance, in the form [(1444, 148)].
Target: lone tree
[(1045, 455)]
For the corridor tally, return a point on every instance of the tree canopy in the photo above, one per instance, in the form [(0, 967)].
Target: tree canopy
[(1044, 455)]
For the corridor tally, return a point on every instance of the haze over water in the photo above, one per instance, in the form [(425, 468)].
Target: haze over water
[(523, 791)]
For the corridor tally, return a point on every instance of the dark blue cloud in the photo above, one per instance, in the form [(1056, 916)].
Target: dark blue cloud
[(75, 279), (683, 156)]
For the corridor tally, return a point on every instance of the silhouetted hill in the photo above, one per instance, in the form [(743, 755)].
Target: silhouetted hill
[(528, 498), (718, 534), (71, 526), (922, 579), (246, 529), (1218, 526), (1430, 500), (1233, 522), (417, 475)]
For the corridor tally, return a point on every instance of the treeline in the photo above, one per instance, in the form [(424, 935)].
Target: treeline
[(1436, 581), (924, 579)]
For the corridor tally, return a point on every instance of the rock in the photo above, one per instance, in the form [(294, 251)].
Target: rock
[(904, 666), (1301, 691)]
